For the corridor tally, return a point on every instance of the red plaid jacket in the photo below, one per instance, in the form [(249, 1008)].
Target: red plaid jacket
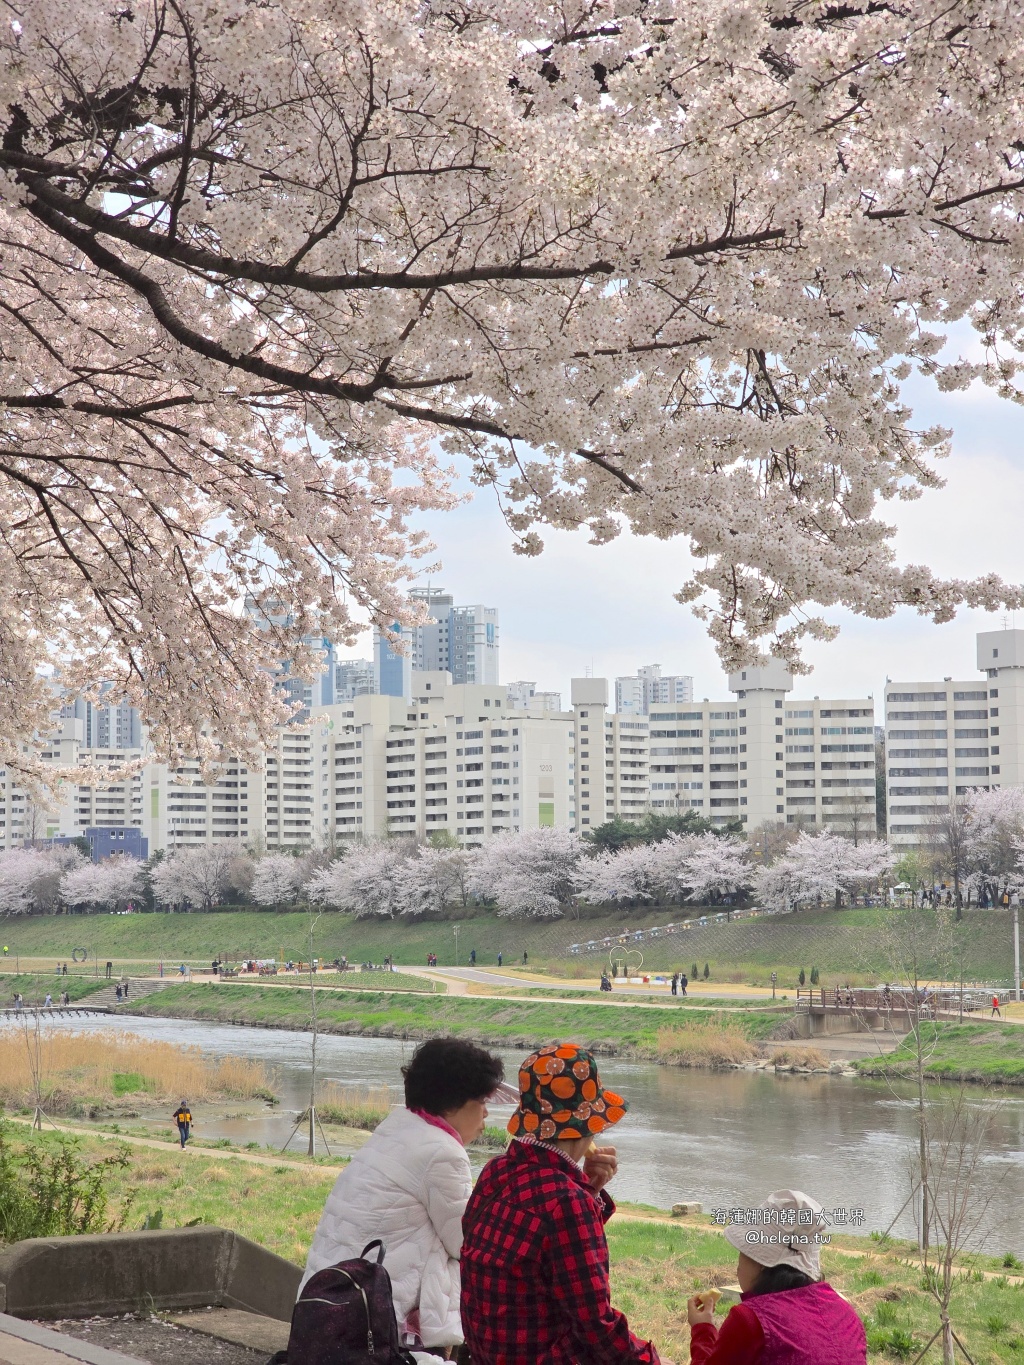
[(535, 1267)]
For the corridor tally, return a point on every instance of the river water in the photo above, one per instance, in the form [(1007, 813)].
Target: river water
[(723, 1138)]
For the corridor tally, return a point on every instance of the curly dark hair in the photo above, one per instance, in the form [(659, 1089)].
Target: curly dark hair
[(446, 1072), (775, 1279)]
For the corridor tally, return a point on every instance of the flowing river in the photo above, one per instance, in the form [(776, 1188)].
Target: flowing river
[(723, 1138)]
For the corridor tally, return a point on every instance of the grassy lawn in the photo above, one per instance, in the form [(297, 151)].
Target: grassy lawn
[(522, 1023), (34, 987), (656, 1263), (989, 1053), (843, 945)]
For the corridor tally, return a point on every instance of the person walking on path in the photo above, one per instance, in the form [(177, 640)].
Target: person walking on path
[(64, 970), (472, 957), (995, 1007), (48, 1002), (117, 992), (19, 1003), (684, 981), (124, 988), (675, 983), (499, 957), (183, 1118), (110, 970), (526, 957)]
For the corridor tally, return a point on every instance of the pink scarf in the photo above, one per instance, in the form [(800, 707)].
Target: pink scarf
[(438, 1122)]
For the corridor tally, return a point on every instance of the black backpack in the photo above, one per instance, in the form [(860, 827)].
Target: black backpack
[(345, 1315)]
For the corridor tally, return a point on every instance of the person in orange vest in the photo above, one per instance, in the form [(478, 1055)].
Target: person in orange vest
[(183, 1118)]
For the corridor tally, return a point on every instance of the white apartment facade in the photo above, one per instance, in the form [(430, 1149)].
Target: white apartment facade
[(766, 758), (942, 739), (461, 759)]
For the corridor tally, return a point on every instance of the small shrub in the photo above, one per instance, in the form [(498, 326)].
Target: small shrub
[(871, 1279), (1012, 1262), (693, 972), (51, 1191), (881, 1238), (814, 976), (885, 1314), (707, 971), (995, 1324), (901, 1343), (802, 978), (494, 1137)]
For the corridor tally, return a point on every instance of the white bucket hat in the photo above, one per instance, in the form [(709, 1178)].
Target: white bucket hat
[(786, 1233)]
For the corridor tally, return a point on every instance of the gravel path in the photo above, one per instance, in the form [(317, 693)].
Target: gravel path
[(151, 1339)]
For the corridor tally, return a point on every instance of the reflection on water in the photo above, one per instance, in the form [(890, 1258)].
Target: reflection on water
[(724, 1138)]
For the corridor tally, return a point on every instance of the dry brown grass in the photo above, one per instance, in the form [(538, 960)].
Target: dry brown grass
[(354, 1106), (801, 1056), (704, 1045), (77, 1067)]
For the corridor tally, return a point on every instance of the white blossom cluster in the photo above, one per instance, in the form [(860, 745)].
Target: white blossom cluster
[(664, 267), (821, 868)]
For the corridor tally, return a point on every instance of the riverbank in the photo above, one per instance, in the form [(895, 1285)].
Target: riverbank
[(657, 1262), (987, 1053), (639, 1032), (843, 945)]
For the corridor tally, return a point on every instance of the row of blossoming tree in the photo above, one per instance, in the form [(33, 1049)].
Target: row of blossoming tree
[(543, 873)]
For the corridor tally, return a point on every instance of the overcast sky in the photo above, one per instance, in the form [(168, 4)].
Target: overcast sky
[(610, 608)]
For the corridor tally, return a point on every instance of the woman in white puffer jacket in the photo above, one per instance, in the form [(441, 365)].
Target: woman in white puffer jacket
[(409, 1186)]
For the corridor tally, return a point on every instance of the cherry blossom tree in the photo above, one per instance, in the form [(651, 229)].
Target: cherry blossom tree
[(104, 886), (717, 867), (537, 873), (30, 878), (368, 880), (821, 867), (664, 268), (631, 874), (994, 834), (195, 877), (276, 879), (434, 879)]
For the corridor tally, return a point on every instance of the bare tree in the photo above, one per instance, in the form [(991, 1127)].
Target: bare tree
[(947, 838)]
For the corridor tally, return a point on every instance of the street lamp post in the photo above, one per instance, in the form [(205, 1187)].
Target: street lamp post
[(1016, 955), (456, 930)]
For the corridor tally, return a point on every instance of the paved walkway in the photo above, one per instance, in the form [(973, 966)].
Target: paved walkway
[(26, 1343)]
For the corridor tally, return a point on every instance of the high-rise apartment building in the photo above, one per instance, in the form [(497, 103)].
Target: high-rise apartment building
[(635, 695), (945, 738), (353, 678), (766, 758), (462, 641), (523, 696), (114, 725)]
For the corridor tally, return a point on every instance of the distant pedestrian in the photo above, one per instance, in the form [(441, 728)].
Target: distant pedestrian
[(56, 970), (499, 957), (65, 999), (183, 1118), (675, 983), (181, 970), (684, 981), (6, 950), (48, 1002), (472, 957), (995, 1007), (19, 1003), (117, 992), (124, 989), (110, 970), (526, 957), (64, 970)]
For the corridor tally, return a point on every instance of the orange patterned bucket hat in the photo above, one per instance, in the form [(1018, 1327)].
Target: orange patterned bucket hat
[(560, 1096)]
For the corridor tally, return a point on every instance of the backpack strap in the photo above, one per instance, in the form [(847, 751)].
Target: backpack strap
[(369, 1247)]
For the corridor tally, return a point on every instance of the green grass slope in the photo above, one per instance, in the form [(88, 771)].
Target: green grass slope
[(839, 943), (992, 1054), (520, 1023)]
